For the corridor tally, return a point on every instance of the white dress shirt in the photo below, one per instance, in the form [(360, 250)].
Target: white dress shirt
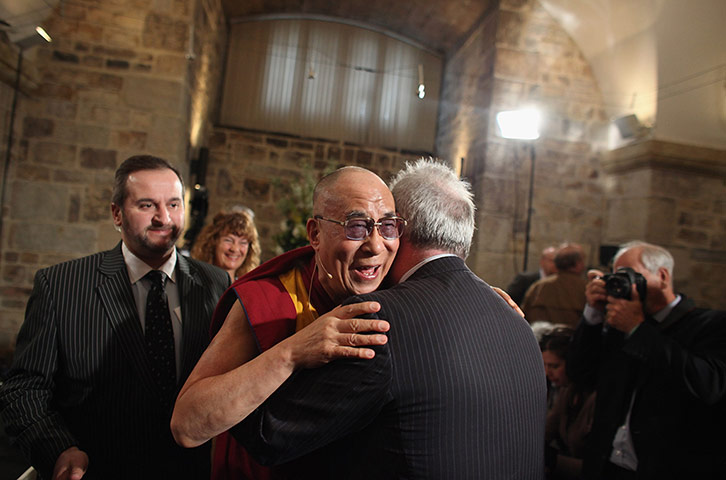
[(140, 286)]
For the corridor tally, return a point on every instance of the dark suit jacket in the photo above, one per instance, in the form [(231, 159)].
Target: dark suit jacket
[(81, 375), (458, 392), (678, 370), (520, 284)]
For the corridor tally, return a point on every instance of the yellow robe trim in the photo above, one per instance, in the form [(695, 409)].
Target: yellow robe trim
[(293, 283)]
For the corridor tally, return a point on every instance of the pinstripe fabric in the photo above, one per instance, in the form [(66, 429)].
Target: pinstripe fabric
[(81, 375), (458, 392)]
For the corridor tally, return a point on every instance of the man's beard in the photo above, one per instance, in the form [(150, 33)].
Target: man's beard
[(142, 240)]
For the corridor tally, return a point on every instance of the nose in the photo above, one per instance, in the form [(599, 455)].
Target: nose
[(374, 242), (162, 215)]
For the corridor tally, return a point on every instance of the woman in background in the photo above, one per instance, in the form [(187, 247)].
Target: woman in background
[(554, 344), (569, 418), (229, 242)]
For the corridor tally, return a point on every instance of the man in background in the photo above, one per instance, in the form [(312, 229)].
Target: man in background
[(524, 280), (559, 298), (659, 366), (109, 339), (457, 392)]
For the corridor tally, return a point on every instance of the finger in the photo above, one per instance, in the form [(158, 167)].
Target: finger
[(356, 325), (593, 274), (349, 352), (503, 294), (77, 473), (356, 309), (356, 340)]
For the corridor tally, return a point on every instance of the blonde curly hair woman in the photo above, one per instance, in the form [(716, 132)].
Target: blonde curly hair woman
[(229, 242)]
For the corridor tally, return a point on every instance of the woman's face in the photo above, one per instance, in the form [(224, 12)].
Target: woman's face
[(231, 252), (555, 368)]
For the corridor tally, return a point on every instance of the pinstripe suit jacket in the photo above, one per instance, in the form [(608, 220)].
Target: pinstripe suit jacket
[(458, 392), (81, 376)]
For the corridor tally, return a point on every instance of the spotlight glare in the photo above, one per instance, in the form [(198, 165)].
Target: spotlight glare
[(43, 34), (519, 124)]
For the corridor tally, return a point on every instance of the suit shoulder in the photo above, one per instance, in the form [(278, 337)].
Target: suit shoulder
[(84, 264), (208, 271), (377, 296), (714, 318), (416, 286)]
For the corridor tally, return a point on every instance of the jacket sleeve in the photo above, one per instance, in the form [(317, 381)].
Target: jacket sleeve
[(316, 407), (697, 366), (26, 395), (583, 355)]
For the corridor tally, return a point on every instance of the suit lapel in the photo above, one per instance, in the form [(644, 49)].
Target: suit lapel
[(117, 300)]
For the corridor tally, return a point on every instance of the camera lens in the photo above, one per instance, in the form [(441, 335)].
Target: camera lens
[(618, 287)]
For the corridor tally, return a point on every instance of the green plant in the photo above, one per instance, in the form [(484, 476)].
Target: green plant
[(296, 207)]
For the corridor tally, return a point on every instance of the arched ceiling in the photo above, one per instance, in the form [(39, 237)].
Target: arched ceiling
[(662, 60), (436, 24)]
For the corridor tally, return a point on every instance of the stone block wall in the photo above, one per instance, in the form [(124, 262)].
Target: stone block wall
[(116, 81), (517, 57), (672, 195), (254, 168)]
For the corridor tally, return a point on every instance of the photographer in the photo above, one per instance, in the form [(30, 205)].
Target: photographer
[(659, 368)]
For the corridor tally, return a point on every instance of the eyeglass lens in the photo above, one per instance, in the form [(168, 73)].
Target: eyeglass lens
[(360, 228)]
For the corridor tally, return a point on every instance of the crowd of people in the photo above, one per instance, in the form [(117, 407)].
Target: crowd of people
[(374, 352)]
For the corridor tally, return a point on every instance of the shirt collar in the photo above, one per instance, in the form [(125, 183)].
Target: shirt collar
[(420, 264), (661, 315), (137, 268)]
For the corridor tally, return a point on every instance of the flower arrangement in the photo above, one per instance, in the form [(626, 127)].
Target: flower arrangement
[(296, 207)]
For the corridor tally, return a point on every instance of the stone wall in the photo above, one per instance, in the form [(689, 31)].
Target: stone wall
[(115, 82), (672, 195), (254, 169), (517, 57), (206, 64)]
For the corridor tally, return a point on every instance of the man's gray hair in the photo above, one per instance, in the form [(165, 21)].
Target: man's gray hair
[(652, 256), (438, 205)]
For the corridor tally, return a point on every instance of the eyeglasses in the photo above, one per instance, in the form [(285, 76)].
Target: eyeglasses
[(359, 228)]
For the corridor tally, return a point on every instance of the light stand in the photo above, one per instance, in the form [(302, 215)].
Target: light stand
[(529, 208), (522, 125)]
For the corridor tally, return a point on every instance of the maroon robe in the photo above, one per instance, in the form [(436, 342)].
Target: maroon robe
[(272, 315)]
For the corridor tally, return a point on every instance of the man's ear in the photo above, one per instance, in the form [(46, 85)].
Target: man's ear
[(664, 276), (116, 214), (313, 232)]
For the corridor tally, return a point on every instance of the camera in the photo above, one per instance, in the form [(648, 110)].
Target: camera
[(620, 284)]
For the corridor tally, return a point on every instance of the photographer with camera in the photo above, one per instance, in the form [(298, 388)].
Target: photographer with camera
[(658, 365)]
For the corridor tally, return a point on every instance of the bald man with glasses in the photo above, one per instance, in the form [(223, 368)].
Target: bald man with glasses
[(354, 236)]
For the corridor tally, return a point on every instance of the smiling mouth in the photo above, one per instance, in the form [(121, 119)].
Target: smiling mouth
[(161, 231), (368, 272)]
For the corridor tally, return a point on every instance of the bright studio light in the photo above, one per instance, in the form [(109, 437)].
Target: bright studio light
[(519, 124), (43, 33)]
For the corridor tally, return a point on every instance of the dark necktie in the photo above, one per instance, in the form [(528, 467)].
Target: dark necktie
[(160, 336)]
